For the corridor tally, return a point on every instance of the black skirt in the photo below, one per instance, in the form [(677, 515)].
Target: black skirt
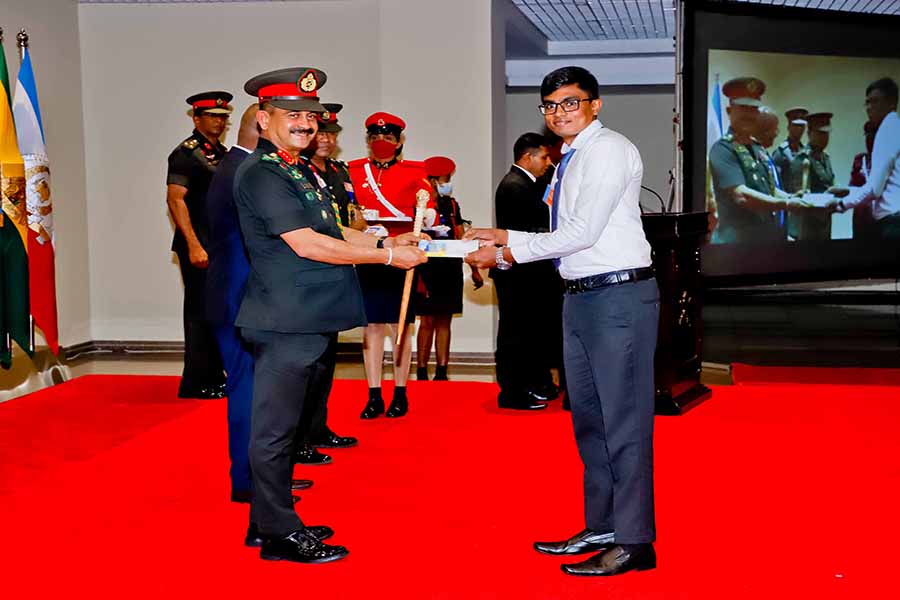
[(443, 287), (382, 288)]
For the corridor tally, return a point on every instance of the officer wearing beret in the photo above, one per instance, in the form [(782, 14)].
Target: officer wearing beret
[(385, 184), (302, 290), (812, 166), (191, 167), (786, 151), (744, 186)]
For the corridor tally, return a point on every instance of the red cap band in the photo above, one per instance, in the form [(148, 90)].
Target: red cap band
[(207, 104), (283, 89)]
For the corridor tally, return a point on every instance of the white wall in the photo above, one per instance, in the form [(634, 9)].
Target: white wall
[(426, 60), (644, 115), (53, 28)]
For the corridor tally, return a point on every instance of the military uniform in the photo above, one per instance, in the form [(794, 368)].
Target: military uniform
[(784, 154), (192, 165), (292, 308), (397, 182), (812, 225), (731, 165), (337, 179)]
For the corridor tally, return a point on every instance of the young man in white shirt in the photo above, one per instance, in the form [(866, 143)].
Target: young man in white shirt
[(882, 187), (610, 321)]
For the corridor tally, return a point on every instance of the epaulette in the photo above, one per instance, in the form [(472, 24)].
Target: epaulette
[(190, 143)]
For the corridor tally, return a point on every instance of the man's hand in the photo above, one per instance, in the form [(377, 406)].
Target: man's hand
[(483, 258), (838, 191), (797, 204), (477, 279), (493, 237), (407, 257), (198, 256), (405, 239)]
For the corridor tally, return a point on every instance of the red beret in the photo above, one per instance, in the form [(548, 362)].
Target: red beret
[(439, 166), (380, 119)]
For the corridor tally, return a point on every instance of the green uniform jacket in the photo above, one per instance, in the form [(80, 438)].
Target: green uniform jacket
[(811, 225)]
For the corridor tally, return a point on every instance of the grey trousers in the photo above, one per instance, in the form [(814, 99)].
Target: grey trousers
[(610, 340)]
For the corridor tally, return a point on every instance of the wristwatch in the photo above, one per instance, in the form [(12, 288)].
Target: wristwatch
[(502, 263)]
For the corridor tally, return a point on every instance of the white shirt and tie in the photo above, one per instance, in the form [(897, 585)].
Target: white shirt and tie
[(882, 187), (599, 216)]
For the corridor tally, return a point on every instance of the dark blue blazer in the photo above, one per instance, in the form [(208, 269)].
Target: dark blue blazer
[(228, 265)]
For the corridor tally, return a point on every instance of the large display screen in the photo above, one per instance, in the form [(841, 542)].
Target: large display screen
[(791, 141)]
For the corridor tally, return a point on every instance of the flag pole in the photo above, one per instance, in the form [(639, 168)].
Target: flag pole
[(22, 43)]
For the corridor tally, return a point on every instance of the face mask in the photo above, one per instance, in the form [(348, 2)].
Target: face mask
[(383, 150), (445, 189)]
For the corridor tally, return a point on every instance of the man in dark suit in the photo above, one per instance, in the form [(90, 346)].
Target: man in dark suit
[(301, 291), (524, 334)]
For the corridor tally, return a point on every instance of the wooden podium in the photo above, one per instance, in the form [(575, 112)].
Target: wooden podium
[(676, 239)]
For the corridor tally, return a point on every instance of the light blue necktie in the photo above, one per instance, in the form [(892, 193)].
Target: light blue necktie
[(554, 208)]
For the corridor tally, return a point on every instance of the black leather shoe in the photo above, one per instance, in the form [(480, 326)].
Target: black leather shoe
[(398, 408), (544, 393), (333, 440), (421, 373), (566, 405), (520, 404), (241, 496), (615, 561), (307, 455), (373, 409), (254, 538), (301, 484), (301, 546), (212, 392), (584, 541), (440, 373)]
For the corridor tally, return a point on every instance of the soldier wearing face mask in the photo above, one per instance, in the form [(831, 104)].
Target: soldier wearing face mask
[(385, 186)]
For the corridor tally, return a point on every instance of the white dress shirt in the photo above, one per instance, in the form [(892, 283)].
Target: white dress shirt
[(882, 187), (599, 217), (242, 148)]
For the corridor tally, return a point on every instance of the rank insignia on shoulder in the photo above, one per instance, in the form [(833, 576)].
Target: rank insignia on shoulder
[(271, 157), (191, 143)]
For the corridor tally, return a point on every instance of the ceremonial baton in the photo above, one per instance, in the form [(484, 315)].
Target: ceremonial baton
[(422, 197)]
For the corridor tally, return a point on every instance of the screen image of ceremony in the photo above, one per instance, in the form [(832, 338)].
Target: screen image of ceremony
[(793, 127)]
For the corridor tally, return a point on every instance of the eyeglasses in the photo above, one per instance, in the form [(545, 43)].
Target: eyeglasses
[(568, 105)]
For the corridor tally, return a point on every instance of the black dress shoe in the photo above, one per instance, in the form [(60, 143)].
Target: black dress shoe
[(566, 404), (373, 409), (585, 541), (398, 408), (301, 484), (543, 393), (440, 373), (212, 392), (333, 440), (421, 373), (615, 561), (241, 496), (307, 455), (521, 404), (300, 546), (254, 538)]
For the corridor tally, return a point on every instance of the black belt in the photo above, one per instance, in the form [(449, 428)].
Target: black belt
[(576, 286)]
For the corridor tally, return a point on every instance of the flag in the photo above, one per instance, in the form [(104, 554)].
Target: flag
[(40, 235), (716, 121), (16, 318)]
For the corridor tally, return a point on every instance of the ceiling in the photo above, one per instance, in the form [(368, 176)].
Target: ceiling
[(605, 20)]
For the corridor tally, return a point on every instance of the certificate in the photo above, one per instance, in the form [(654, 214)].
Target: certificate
[(820, 200), (448, 248)]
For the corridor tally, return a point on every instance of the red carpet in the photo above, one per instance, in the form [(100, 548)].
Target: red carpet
[(743, 373), (112, 488)]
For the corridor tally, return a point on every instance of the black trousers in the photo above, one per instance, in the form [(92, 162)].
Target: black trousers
[(292, 371), (202, 361), (529, 330), (314, 420), (610, 340), (888, 227)]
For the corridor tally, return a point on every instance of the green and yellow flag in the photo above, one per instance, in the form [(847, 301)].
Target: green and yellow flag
[(15, 318)]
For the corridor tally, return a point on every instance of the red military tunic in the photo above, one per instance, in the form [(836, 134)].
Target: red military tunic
[(398, 183)]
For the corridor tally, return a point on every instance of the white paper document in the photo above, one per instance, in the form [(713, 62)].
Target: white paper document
[(820, 200), (448, 248)]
